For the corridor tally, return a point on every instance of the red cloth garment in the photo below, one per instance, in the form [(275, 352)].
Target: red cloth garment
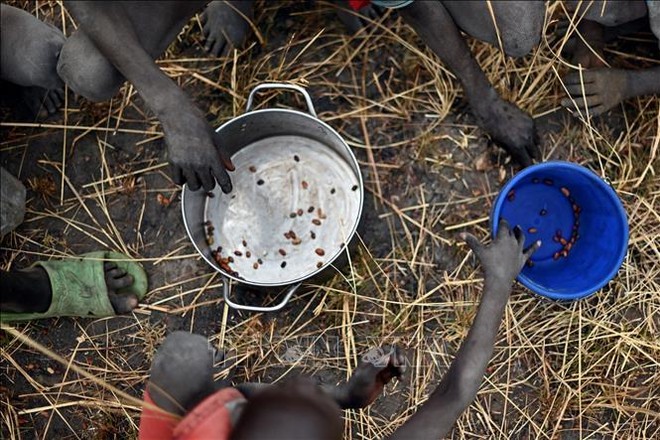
[(358, 4), (154, 424), (211, 419)]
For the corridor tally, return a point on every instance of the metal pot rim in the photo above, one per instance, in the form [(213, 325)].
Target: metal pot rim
[(350, 236)]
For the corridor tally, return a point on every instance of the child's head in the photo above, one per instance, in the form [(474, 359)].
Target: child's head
[(297, 409)]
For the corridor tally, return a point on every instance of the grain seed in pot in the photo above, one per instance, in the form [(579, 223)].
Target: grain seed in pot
[(548, 182), (536, 180), (543, 212), (244, 243), (296, 158), (304, 184), (319, 264), (293, 215), (354, 188), (299, 212), (313, 235), (317, 222), (332, 191), (282, 252), (238, 253), (320, 252), (260, 261), (511, 196), (230, 259), (252, 169), (310, 209), (532, 230), (210, 195), (565, 191), (296, 241), (260, 182), (321, 214), (292, 234), (283, 265), (255, 266), (248, 254)]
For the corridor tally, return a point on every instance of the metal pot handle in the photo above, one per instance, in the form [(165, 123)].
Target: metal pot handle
[(233, 305), (308, 99)]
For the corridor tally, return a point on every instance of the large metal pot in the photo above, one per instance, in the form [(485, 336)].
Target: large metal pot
[(294, 173)]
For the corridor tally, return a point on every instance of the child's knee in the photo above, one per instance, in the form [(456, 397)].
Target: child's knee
[(86, 71)]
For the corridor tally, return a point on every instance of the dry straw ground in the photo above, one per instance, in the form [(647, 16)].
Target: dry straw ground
[(588, 369)]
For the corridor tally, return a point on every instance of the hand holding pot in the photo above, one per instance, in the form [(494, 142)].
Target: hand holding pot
[(194, 151)]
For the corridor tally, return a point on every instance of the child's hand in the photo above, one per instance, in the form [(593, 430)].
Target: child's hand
[(504, 258)]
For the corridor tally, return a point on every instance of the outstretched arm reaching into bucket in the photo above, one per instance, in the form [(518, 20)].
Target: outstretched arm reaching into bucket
[(501, 261)]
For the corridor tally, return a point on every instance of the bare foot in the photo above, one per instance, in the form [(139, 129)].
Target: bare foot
[(225, 25), (596, 91), (42, 102), (117, 279), (509, 126)]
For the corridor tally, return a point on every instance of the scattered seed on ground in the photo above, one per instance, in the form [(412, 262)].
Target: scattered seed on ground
[(320, 252)]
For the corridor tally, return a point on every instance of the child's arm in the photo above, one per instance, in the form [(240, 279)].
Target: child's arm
[(501, 261)]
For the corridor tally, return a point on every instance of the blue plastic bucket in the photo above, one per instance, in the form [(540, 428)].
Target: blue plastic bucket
[(580, 220)]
